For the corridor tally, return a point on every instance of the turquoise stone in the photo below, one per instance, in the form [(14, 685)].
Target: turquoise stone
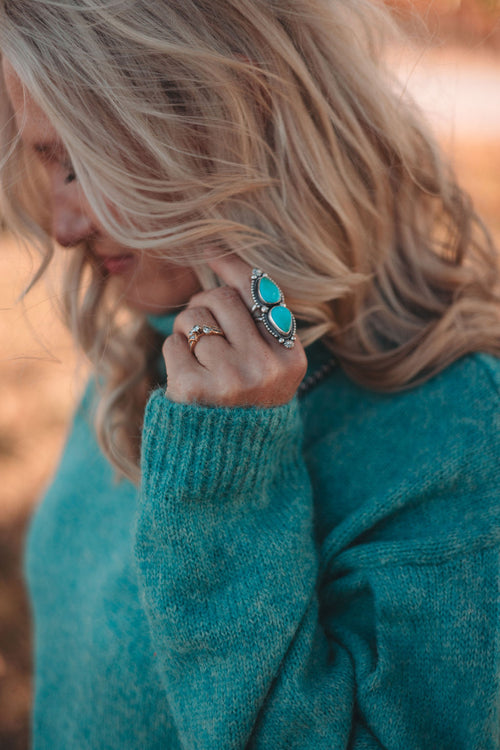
[(281, 318), (268, 291)]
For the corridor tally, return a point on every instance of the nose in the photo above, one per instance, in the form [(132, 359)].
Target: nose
[(69, 226), (71, 222)]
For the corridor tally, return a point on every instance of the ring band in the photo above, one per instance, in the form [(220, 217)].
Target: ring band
[(269, 308), (197, 332)]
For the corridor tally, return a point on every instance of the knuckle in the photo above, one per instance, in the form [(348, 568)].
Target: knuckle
[(300, 361), (282, 370), (183, 319), (227, 294), (172, 342), (199, 314), (197, 299), (219, 295), (296, 371), (203, 311), (168, 345), (180, 322)]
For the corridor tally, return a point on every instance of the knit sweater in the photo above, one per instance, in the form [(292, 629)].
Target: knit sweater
[(323, 574)]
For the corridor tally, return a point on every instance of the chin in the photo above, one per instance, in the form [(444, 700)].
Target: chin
[(148, 307), (159, 293), (152, 304)]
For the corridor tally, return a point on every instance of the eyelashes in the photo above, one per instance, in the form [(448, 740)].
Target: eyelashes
[(53, 153), (71, 175), (70, 171)]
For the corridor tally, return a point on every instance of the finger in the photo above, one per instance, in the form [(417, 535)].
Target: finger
[(233, 316), (183, 370), (234, 272), (194, 314)]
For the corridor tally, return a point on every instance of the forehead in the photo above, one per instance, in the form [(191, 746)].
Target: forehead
[(31, 121)]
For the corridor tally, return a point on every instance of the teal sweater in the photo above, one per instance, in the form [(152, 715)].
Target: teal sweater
[(323, 574)]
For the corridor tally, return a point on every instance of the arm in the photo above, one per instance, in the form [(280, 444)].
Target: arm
[(392, 654), (265, 638), (229, 567)]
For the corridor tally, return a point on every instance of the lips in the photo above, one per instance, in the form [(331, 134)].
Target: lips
[(117, 264)]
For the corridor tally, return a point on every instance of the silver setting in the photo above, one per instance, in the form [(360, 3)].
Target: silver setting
[(261, 309)]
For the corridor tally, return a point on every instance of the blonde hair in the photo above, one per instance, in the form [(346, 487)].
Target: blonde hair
[(269, 128)]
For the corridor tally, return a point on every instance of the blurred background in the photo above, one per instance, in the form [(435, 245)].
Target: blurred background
[(453, 71)]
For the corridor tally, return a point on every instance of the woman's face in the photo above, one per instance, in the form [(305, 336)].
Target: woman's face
[(148, 284)]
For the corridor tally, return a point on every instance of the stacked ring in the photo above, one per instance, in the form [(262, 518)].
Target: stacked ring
[(269, 307), (197, 332)]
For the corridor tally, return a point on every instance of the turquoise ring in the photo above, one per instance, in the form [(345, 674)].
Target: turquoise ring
[(269, 307)]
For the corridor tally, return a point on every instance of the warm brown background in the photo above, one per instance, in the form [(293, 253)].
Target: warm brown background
[(456, 77)]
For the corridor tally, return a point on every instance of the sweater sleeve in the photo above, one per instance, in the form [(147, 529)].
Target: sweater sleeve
[(265, 638)]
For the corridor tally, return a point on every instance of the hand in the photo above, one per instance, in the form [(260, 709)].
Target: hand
[(246, 367)]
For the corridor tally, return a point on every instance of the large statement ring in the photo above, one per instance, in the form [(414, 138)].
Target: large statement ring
[(197, 332), (269, 307)]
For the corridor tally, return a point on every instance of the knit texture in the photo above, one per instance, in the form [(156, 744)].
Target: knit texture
[(323, 574)]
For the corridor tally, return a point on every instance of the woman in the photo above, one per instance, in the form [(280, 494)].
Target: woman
[(288, 559)]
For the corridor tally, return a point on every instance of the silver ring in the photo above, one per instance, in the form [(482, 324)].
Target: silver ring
[(270, 309)]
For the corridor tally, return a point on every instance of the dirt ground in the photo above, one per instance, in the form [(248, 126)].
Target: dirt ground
[(38, 384)]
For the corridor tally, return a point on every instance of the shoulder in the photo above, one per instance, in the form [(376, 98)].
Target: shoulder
[(425, 457), (462, 398)]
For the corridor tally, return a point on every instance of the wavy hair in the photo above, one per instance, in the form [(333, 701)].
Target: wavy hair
[(268, 128)]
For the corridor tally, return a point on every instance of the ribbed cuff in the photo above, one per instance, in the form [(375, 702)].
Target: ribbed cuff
[(203, 451)]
